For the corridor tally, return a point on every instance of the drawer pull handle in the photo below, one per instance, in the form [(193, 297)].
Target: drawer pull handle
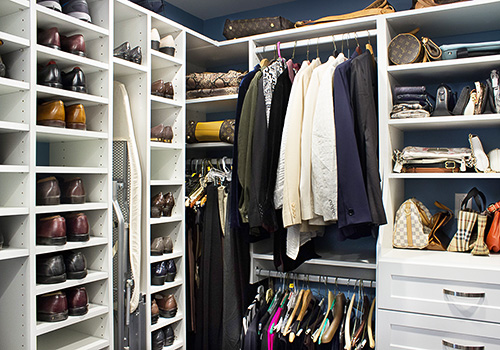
[(463, 295), (462, 347)]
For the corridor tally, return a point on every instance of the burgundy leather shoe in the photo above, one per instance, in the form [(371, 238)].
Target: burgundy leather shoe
[(157, 204), (50, 38), (169, 90), (48, 191), (51, 231), (169, 204), (78, 301), (77, 227), (73, 191), (52, 307), (74, 44), (167, 305)]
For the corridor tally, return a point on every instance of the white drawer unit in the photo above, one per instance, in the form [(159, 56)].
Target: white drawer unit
[(403, 331)]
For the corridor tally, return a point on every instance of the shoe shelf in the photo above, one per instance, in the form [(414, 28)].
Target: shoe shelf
[(452, 122), (12, 211), (165, 145), (94, 311), (66, 61), (9, 86), (92, 276), (226, 103), (162, 60), (13, 253), (9, 7), (123, 67), (71, 170), (46, 209), (209, 145), (92, 242), (167, 219), (166, 183), (12, 42), (9, 127), (161, 102), (449, 176), (163, 257), (47, 18), (167, 285), (52, 134), (163, 322), (14, 169), (67, 95), (67, 339)]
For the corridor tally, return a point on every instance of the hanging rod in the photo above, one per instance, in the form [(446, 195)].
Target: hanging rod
[(371, 33), (316, 278)]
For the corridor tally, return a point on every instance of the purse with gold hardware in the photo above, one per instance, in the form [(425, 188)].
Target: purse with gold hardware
[(406, 48), (217, 131), (246, 27)]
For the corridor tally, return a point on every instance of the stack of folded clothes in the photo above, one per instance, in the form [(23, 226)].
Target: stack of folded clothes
[(213, 84), (411, 102)]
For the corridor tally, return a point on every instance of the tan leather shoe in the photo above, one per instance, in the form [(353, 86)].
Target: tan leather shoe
[(158, 88), (75, 117), (155, 312), (51, 114), (157, 246), (168, 245), (48, 191), (167, 305)]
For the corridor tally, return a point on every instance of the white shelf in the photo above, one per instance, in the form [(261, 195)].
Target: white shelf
[(7, 127), (12, 43), (94, 311), (162, 60), (11, 211), (452, 122), (45, 209), (176, 345), (339, 261), (10, 86), (165, 219), (92, 276), (159, 258), (92, 242), (67, 95), (226, 103), (123, 67), (167, 285), (158, 102), (69, 25), (13, 253), (448, 176), (70, 170), (209, 145), (163, 322), (164, 145), (166, 183), (67, 339), (14, 169), (53, 134), (12, 6), (66, 61)]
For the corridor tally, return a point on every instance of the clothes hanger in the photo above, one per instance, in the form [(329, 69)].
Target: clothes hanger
[(306, 300), (334, 52), (368, 45), (307, 56), (295, 309), (317, 47), (331, 300), (356, 338), (347, 327), (371, 338), (358, 48), (338, 313)]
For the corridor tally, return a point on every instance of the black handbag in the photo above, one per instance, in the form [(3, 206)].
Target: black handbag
[(246, 27)]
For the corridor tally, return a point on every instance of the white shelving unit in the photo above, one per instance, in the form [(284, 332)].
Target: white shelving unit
[(162, 163), (29, 151)]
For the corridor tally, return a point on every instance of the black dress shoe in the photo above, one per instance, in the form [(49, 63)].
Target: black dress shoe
[(50, 75), (135, 55), (122, 51), (171, 270), (50, 269), (74, 80), (76, 265), (158, 273), (157, 340), (169, 335)]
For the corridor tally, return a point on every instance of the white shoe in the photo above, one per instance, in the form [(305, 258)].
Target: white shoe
[(167, 45), (155, 39), (482, 163)]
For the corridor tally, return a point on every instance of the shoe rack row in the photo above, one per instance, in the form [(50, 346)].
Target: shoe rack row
[(55, 174), (149, 59)]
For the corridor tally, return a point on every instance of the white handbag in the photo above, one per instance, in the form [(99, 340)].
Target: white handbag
[(430, 155), (412, 225), (480, 159), (494, 158)]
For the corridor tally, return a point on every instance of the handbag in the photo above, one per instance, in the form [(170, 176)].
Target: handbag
[(479, 158), (245, 27), (409, 110), (406, 48), (494, 159), (464, 50), (493, 238), (412, 225), (438, 240), (378, 7), (217, 131), (465, 237), (412, 155), (418, 4), (444, 101), (210, 80)]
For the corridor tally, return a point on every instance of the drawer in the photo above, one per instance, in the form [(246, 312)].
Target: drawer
[(399, 330), (439, 290)]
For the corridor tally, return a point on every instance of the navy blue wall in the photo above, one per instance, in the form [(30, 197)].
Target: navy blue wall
[(182, 17)]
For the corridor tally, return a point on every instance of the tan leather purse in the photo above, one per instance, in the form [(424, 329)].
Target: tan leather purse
[(418, 4), (438, 240)]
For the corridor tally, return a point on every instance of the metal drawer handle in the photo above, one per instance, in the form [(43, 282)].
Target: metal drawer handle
[(462, 347), (464, 295)]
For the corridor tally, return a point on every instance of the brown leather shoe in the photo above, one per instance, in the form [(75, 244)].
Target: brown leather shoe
[(50, 38), (167, 305), (51, 231), (78, 301), (52, 307), (155, 312), (74, 44), (48, 191), (169, 90), (77, 227), (75, 117), (51, 114), (168, 245), (169, 204), (167, 134), (157, 133), (157, 204), (158, 88), (73, 191)]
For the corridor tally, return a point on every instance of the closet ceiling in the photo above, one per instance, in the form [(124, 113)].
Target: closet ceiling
[(217, 8)]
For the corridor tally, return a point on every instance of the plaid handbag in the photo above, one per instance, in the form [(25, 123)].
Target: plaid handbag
[(465, 237), (412, 225)]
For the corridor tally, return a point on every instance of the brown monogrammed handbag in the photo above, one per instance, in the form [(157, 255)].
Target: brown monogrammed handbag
[(407, 48), (246, 27)]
